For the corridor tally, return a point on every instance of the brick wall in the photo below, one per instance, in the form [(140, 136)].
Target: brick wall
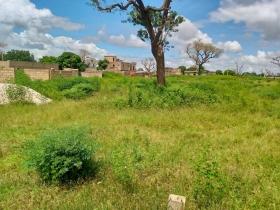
[(38, 74), (6, 74)]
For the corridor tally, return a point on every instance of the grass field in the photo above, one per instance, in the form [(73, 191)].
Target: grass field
[(221, 152)]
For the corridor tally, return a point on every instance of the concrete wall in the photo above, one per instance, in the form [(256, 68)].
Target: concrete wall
[(64, 73), (6, 74), (90, 73), (31, 65), (5, 64), (38, 74)]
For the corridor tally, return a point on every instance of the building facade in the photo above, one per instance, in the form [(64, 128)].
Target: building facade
[(119, 66)]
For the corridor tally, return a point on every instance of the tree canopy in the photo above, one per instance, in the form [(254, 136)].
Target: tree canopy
[(201, 52), (48, 60), (102, 64), (70, 60), (18, 55)]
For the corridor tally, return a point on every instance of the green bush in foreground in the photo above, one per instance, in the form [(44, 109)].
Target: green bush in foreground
[(62, 155)]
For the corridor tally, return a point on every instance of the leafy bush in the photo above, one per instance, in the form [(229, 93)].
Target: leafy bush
[(59, 87), (62, 155), (147, 95), (229, 72), (79, 91), (219, 72)]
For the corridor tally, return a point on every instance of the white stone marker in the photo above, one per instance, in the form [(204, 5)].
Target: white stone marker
[(176, 202)]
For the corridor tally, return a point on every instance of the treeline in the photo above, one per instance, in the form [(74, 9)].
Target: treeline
[(65, 60)]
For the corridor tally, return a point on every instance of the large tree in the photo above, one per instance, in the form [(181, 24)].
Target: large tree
[(157, 24), (70, 60), (18, 55), (201, 53)]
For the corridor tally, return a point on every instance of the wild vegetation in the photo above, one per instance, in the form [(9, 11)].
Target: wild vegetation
[(213, 139), (59, 87)]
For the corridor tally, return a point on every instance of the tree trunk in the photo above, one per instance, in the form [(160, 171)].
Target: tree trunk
[(200, 69), (160, 60)]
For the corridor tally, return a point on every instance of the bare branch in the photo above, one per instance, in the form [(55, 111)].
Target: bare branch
[(276, 61), (120, 6)]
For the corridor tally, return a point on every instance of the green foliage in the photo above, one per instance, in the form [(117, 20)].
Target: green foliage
[(102, 64), (183, 69), (167, 156), (192, 68), (21, 78), (172, 22), (210, 185), (229, 72), (62, 155), (18, 55), (148, 95), (48, 60), (59, 87), (70, 60), (129, 158), (68, 83), (219, 72), (16, 94), (79, 91)]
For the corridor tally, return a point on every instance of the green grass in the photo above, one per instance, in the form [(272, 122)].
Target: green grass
[(220, 155)]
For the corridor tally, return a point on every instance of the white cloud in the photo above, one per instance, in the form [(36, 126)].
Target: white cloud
[(131, 41), (24, 14), (35, 24), (230, 46), (258, 15), (187, 33)]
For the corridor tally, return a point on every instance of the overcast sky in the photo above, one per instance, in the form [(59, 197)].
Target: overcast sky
[(248, 30)]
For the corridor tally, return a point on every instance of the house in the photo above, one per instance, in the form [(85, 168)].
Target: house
[(169, 71), (91, 62), (119, 66)]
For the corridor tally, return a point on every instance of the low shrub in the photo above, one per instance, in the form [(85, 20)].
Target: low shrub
[(210, 185), (59, 87), (79, 91), (147, 95), (62, 155)]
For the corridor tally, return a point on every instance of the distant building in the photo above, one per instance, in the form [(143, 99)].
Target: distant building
[(119, 66), (169, 71), (91, 62)]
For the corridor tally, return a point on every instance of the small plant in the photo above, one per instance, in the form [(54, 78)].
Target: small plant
[(210, 184), (17, 94), (62, 155)]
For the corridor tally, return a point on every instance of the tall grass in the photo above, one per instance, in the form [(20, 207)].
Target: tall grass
[(220, 155)]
